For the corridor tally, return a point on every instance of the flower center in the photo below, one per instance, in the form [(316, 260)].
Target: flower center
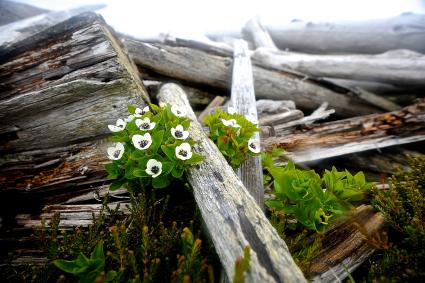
[(145, 125), (155, 169), (252, 145), (183, 152), (178, 134), (116, 153), (143, 143)]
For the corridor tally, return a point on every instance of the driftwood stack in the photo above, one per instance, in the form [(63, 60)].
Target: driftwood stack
[(64, 81)]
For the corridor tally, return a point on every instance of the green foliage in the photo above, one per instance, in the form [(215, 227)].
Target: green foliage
[(242, 266), (403, 207), (312, 201), (133, 247), (150, 149), (232, 133)]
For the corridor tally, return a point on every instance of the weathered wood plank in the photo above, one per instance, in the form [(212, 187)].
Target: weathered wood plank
[(396, 67), (196, 67), (243, 100), (318, 141), (231, 215), (258, 34)]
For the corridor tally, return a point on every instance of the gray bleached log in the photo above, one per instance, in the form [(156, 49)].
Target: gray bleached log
[(396, 67), (257, 34), (231, 215), (243, 100), (196, 67)]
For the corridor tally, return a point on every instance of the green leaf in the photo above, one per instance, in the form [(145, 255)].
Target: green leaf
[(131, 109), (160, 182), (177, 172), (196, 158), (117, 184), (167, 167), (69, 266), (169, 150), (98, 252), (275, 204), (157, 140), (89, 277), (110, 275), (140, 173), (82, 260)]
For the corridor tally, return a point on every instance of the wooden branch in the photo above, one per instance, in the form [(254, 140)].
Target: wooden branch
[(231, 215), (64, 85), (405, 31), (397, 67), (257, 33), (17, 31), (347, 136), (216, 102), (200, 68), (243, 99)]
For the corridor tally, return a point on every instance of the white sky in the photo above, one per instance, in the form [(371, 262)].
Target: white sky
[(192, 18)]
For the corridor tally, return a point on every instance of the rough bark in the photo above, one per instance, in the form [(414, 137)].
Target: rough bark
[(397, 67), (17, 31), (243, 99), (200, 68), (319, 141), (231, 215)]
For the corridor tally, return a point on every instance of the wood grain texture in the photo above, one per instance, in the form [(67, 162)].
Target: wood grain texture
[(231, 215), (65, 85), (319, 141), (243, 100), (197, 67), (396, 67)]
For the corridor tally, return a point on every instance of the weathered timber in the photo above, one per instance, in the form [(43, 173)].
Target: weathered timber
[(17, 31), (284, 117), (346, 246), (396, 67), (319, 141), (73, 79), (216, 102), (11, 11), (196, 67), (231, 215), (250, 171), (257, 34), (268, 107)]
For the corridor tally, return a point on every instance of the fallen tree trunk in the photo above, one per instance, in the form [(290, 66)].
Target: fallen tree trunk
[(200, 68), (319, 141), (231, 215), (258, 35), (397, 67), (243, 100), (17, 31)]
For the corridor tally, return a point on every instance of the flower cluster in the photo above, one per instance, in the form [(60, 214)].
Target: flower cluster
[(234, 135), (152, 144)]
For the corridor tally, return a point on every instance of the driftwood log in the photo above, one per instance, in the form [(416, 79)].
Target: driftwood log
[(243, 100), (396, 67), (319, 141), (231, 215), (197, 67)]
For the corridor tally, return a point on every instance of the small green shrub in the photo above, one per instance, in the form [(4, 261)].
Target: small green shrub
[(233, 135)]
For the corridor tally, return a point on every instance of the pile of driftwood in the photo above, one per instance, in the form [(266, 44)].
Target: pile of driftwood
[(64, 76)]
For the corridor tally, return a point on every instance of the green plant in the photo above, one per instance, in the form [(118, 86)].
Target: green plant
[(152, 147), (88, 269), (242, 266), (403, 207), (233, 135), (307, 198)]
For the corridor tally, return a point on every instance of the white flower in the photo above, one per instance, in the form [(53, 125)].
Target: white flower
[(252, 119), (116, 152), (162, 104), (119, 126), (179, 133), (145, 124), (231, 110), (139, 112), (142, 142), (129, 118), (254, 145), (179, 112), (230, 123), (184, 151), (154, 168)]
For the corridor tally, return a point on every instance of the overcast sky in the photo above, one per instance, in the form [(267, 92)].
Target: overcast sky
[(193, 18)]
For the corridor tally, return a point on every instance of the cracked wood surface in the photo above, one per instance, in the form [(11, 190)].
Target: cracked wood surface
[(318, 141), (231, 215)]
